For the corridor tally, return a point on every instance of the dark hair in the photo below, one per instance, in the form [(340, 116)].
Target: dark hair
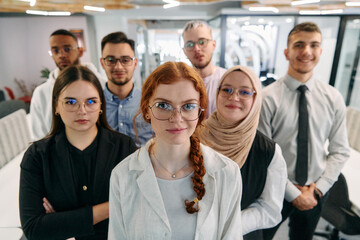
[(67, 76), (64, 32), (169, 73), (306, 27), (117, 37)]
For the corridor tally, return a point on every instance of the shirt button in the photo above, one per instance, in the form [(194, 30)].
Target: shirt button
[(120, 106), (84, 187), (121, 124)]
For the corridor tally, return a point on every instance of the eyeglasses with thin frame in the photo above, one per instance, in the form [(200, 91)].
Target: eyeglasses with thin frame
[(202, 43), (73, 105), (56, 51), (124, 60), (164, 111), (227, 91)]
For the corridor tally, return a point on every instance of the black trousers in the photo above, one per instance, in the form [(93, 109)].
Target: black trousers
[(302, 224), (255, 235)]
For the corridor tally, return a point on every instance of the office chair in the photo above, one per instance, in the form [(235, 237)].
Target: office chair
[(11, 94), (2, 95), (337, 211), (10, 106)]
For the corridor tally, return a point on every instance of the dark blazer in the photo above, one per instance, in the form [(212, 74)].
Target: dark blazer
[(46, 171)]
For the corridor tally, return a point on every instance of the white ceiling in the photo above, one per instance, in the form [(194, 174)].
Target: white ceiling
[(146, 6)]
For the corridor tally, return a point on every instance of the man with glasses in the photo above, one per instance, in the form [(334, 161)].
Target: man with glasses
[(122, 98), (65, 52), (199, 48)]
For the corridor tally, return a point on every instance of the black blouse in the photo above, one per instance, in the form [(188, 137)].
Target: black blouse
[(73, 181), (83, 165)]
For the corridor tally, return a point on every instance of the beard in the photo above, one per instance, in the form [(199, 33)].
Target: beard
[(202, 66), (76, 62), (120, 83)]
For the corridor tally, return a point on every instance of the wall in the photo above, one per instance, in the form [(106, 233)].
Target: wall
[(24, 45), (24, 38)]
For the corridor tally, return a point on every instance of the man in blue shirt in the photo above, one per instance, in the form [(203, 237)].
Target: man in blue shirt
[(122, 98)]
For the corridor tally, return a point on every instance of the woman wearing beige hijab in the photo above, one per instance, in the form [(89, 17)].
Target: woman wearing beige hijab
[(231, 130)]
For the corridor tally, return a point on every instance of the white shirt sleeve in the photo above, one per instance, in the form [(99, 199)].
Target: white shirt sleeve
[(116, 228), (38, 124), (339, 150), (265, 212)]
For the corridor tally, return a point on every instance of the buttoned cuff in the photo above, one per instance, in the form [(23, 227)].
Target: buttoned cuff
[(291, 192), (323, 185)]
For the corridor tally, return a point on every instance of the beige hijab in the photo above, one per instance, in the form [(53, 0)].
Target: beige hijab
[(234, 140)]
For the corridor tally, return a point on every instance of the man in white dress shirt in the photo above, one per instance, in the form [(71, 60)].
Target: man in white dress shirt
[(199, 48), (65, 52), (279, 120)]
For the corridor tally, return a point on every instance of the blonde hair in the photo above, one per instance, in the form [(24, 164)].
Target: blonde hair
[(195, 24)]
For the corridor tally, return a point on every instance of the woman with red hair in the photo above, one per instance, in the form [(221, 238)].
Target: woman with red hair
[(174, 187)]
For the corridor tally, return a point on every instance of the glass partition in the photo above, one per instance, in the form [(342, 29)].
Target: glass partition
[(254, 41), (258, 42), (215, 25), (348, 73)]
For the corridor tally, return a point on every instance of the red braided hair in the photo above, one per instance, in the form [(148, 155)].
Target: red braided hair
[(199, 171)]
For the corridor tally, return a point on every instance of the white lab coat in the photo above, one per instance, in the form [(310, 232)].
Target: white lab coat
[(137, 210)]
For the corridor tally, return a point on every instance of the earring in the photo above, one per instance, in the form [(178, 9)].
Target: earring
[(101, 111), (57, 114)]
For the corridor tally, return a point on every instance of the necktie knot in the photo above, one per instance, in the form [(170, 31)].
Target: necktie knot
[(302, 88)]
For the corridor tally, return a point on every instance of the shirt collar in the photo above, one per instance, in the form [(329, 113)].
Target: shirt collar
[(293, 84), (109, 96)]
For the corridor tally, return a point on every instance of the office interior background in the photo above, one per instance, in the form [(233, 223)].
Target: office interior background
[(251, 33), (244, 36)]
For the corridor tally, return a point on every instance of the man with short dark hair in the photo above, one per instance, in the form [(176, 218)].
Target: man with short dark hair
[(301, 114), (65, 52), (122, 98), (199, 48)]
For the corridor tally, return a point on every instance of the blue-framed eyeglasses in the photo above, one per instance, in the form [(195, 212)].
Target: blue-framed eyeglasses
[(73, 105), (227, 91)]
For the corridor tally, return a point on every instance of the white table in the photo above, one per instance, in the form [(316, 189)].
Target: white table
[(10, 233), (351, 172), (9, 200)]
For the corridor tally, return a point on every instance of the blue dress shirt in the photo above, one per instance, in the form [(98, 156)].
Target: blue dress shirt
[(120, 114)]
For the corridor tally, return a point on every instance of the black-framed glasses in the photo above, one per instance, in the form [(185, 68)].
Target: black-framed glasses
[(164, 111), (244, 92), (124, 60), (73, 105), (202, 42), (56, 50)]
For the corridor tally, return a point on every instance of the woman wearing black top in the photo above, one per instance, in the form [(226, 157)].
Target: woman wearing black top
[(64, 181)]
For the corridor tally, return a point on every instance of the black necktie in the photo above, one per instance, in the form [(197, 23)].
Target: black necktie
[(301, 172)]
